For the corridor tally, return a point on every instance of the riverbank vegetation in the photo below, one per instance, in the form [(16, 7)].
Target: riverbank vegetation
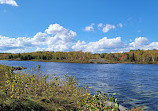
[(134, 56), (37, 92)]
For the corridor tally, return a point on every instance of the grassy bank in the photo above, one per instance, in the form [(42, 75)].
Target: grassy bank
[(26, 92)]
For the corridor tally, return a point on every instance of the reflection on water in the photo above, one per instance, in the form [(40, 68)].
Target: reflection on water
[(135, 84)]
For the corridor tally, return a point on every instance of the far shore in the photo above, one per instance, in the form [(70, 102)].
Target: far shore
[(80, 62)]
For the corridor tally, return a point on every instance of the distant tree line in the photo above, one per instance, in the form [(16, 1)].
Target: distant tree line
[(79, 56), (134, 56)]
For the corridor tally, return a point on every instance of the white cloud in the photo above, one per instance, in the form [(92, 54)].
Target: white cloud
[(100, 25), (13, 44), (40, 49), (108, 27), (79, 46), (89, 28), (61, 39), (103, 45), (114, 45), (120, 25), (40, 38), (139, 42), (55, 38), (9, 2), (153, 45), (143, 43), (58, 38)]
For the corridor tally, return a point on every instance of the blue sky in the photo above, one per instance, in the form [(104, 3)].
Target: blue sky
[(72, 25)]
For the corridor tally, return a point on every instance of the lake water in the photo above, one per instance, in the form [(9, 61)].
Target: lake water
[(135, 84)]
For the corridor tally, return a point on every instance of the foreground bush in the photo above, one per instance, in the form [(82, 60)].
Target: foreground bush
[(27, 92)]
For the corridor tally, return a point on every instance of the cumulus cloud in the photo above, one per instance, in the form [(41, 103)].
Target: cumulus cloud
[(11, 44), (108, 27), (55, 38), (80, 45), (103, 45), (19, 44), (58, 38), (114, 45), (89, 28), (153, 45), (61, 39), (143, 43), (139, 42), (9, 2), (40, 38)]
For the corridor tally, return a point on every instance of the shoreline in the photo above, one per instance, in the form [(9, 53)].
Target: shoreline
[(81, 62)]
